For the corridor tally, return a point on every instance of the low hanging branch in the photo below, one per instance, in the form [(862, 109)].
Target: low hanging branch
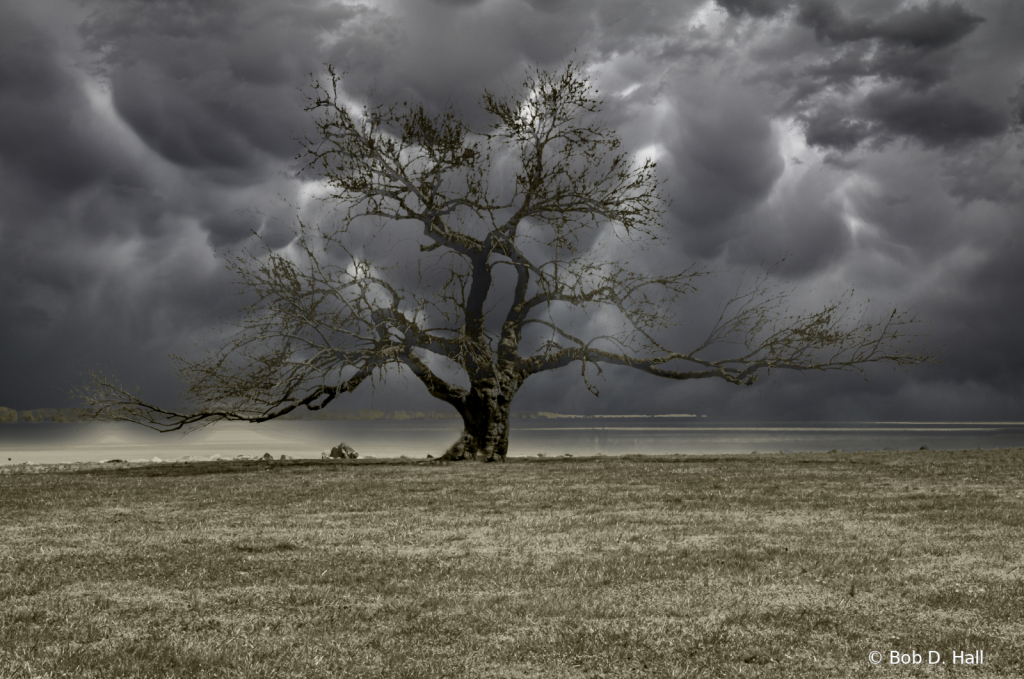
[(510, 223)]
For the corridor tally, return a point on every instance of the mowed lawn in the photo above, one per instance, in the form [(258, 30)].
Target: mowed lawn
[(736, 566)]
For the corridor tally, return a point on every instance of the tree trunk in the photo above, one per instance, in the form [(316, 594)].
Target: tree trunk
[(485, 417)]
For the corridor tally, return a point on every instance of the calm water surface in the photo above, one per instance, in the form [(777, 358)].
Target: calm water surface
[(93, 442)]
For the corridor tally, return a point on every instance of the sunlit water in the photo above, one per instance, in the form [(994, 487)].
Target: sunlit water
[(42, 443)]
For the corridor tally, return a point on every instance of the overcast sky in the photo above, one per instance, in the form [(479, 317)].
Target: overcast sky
[(878, 144)]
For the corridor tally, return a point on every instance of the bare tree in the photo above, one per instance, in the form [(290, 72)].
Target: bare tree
[(510, 224)]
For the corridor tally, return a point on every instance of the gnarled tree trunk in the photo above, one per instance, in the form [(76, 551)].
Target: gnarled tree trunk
[(485, 416)]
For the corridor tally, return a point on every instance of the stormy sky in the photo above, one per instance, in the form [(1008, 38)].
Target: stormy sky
[(875, 144)]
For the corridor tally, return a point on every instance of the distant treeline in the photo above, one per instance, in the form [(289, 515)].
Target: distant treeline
[(38, 415), (70, 415)]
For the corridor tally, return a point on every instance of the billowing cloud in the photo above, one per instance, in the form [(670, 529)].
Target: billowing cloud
[(876, 144), (873, 78), (213, 85), (46, 135)]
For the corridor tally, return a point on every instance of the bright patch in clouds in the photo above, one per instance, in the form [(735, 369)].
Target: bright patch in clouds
[(630, 90), (311, 191), (708, 16), (651, 152), (856, 184), (799, 158)]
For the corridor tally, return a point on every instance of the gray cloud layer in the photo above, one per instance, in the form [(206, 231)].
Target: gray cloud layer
[(877, 144)]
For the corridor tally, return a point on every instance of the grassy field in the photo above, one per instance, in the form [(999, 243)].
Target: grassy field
[(743, 566)]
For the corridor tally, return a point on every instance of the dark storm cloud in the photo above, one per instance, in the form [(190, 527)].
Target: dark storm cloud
[(185, 131), (804, 236), (724, 162), (875, 143), (458, 3), (1018, 102), (754, 8), (45, 135), (212, 84), (135, 139), (930, 27), (832, 127), (30, 317), (938, 117), (877, 78), (230, 228), (935, 118)]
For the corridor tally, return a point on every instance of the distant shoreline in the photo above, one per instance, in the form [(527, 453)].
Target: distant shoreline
[(94, 441), (242, 463)]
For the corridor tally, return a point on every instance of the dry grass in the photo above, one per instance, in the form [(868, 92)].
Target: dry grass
[(773, 566)]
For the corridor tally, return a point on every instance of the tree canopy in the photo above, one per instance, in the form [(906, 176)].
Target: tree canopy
[(510, 223)]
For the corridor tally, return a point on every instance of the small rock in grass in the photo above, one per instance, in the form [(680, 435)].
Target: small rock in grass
[(344, 452), (924, 448), (755, 656), (267, 456)]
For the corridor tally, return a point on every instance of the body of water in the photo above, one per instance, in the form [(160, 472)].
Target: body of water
[(42, 443)]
